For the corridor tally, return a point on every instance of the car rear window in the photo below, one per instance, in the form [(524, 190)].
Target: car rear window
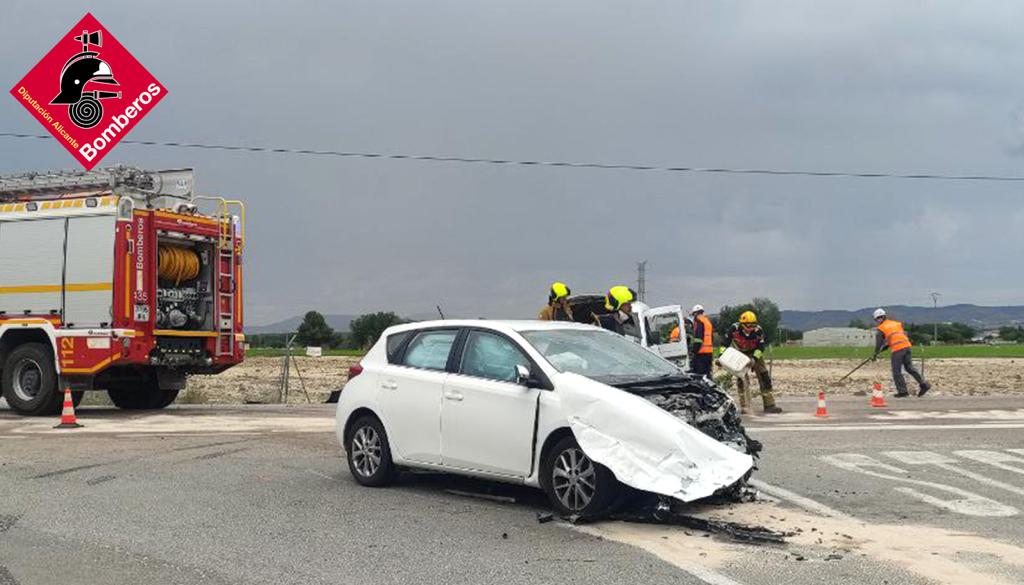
[(430, 349)]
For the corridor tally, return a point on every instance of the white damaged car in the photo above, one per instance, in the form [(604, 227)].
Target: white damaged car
[(572, 409)]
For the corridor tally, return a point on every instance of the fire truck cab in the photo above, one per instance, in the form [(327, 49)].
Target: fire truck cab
[(115, 280)]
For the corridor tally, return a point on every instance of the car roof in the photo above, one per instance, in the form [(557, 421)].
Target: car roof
[(505, 325)]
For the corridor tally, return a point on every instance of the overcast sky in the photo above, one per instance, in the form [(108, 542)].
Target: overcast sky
[(885, 86)]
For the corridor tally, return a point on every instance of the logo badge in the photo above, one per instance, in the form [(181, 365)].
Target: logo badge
[(88, 91)]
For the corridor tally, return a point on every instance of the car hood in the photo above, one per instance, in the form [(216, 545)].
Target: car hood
[(646, 447)]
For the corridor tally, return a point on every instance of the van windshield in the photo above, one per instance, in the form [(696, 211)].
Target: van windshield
[(600, 355)]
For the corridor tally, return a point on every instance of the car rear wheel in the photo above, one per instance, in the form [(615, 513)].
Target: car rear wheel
[(575, 484), (368, 453)]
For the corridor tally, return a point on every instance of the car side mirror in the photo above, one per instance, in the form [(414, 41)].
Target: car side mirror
[(524, 377)]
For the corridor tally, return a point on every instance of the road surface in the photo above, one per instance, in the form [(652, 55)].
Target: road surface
[(925, 491)]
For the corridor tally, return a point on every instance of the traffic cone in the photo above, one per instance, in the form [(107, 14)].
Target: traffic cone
[(67, 416), (822, 409), (877, 398)]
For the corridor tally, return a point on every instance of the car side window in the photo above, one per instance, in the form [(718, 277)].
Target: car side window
[(394, 345), (491, 356), (430, 349)]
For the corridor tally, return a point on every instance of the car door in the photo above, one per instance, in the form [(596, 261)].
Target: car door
[(410, 395), (487, 419)]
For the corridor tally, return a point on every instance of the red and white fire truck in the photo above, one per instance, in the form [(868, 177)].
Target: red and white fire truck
[(115, 280)]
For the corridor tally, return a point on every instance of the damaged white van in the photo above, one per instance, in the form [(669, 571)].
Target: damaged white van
[(572, 409)]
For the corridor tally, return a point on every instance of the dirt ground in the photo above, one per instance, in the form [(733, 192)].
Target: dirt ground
[(258, 379), (948, 376)]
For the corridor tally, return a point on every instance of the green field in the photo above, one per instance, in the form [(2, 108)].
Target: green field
[(300, 352), (793, 352)]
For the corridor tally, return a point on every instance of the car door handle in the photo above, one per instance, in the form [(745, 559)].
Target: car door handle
[(389, 385), (456, 396)]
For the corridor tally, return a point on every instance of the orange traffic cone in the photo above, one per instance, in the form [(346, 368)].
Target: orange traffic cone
[(67, 416), (877, 398), (822, 409)]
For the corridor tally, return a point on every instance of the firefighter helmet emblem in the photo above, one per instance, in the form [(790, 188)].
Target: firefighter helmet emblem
[(82, 69)]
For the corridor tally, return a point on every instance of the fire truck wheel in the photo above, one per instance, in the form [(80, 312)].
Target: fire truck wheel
[(166, 398), (30, 380), (141, 398)]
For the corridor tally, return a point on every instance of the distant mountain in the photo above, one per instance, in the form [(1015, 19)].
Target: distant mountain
[(337, 322), (973, 315)]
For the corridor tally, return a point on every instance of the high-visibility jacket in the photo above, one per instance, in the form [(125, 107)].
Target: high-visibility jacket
[(674, 336), (703, 331), (894, 335)]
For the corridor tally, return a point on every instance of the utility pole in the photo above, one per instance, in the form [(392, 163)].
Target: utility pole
[(641, 279), (935, 305)]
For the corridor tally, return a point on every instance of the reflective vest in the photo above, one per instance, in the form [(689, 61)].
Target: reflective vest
[(674, 336), (707, 342), (895, 337)]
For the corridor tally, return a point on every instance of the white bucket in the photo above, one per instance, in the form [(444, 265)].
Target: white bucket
[(735, 361)]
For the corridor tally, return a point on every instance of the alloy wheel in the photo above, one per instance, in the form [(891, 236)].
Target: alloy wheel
[(574, 479), (366, 451)]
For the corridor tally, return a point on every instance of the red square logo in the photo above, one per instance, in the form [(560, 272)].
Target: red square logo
[(89, 91)]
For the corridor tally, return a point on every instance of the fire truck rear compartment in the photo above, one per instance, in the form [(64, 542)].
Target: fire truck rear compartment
[(184, 296)]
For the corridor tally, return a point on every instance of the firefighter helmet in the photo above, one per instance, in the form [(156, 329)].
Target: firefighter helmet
[(559, 290), (748, 318), (697, 309), (879, 313), (618, 296)]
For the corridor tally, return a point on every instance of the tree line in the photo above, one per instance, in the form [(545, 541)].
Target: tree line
[(314, 331)]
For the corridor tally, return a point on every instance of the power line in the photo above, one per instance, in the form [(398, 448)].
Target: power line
[(542, 163)]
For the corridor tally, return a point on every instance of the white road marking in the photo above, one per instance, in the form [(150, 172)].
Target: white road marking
[(6, 437), (949, 464), (661, 549), (826, 427), (966, 503), (805, 503), (996, 459), (993, 415)]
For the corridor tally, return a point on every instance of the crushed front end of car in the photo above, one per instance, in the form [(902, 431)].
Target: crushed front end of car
[(700, 403)]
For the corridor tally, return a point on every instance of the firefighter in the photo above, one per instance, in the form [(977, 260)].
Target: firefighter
[(748, 337), (618, 301), (702, 344), (558, 308), (890, 334)]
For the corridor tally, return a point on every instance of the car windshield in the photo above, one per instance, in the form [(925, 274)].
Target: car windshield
[(600, 355)]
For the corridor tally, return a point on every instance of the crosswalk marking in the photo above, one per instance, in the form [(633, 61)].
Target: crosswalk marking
[(965, 502), (996, 459), (949, 464)]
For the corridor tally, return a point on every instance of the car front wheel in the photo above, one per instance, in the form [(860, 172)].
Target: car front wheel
[(368, 453), (575, 484)]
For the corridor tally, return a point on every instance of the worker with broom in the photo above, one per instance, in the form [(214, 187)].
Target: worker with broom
[(890, 333), (748, 337)]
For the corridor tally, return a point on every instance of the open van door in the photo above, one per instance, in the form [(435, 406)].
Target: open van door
[(657, 324)]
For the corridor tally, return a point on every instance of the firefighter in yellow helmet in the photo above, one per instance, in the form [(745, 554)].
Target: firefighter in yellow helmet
[(618, 302), (558, 308), (748, 337)]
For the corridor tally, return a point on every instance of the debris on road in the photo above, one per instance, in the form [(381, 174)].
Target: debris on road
[(479, 496)]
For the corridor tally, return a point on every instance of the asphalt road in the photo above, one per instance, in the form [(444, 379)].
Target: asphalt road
[(926, 491)]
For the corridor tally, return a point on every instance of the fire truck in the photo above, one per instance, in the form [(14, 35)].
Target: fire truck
[(118, 279)]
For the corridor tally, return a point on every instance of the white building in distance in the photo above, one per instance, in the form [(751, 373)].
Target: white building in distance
[(839, 337)]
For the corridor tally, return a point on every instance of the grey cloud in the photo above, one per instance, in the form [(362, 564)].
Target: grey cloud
[(811, 85)]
